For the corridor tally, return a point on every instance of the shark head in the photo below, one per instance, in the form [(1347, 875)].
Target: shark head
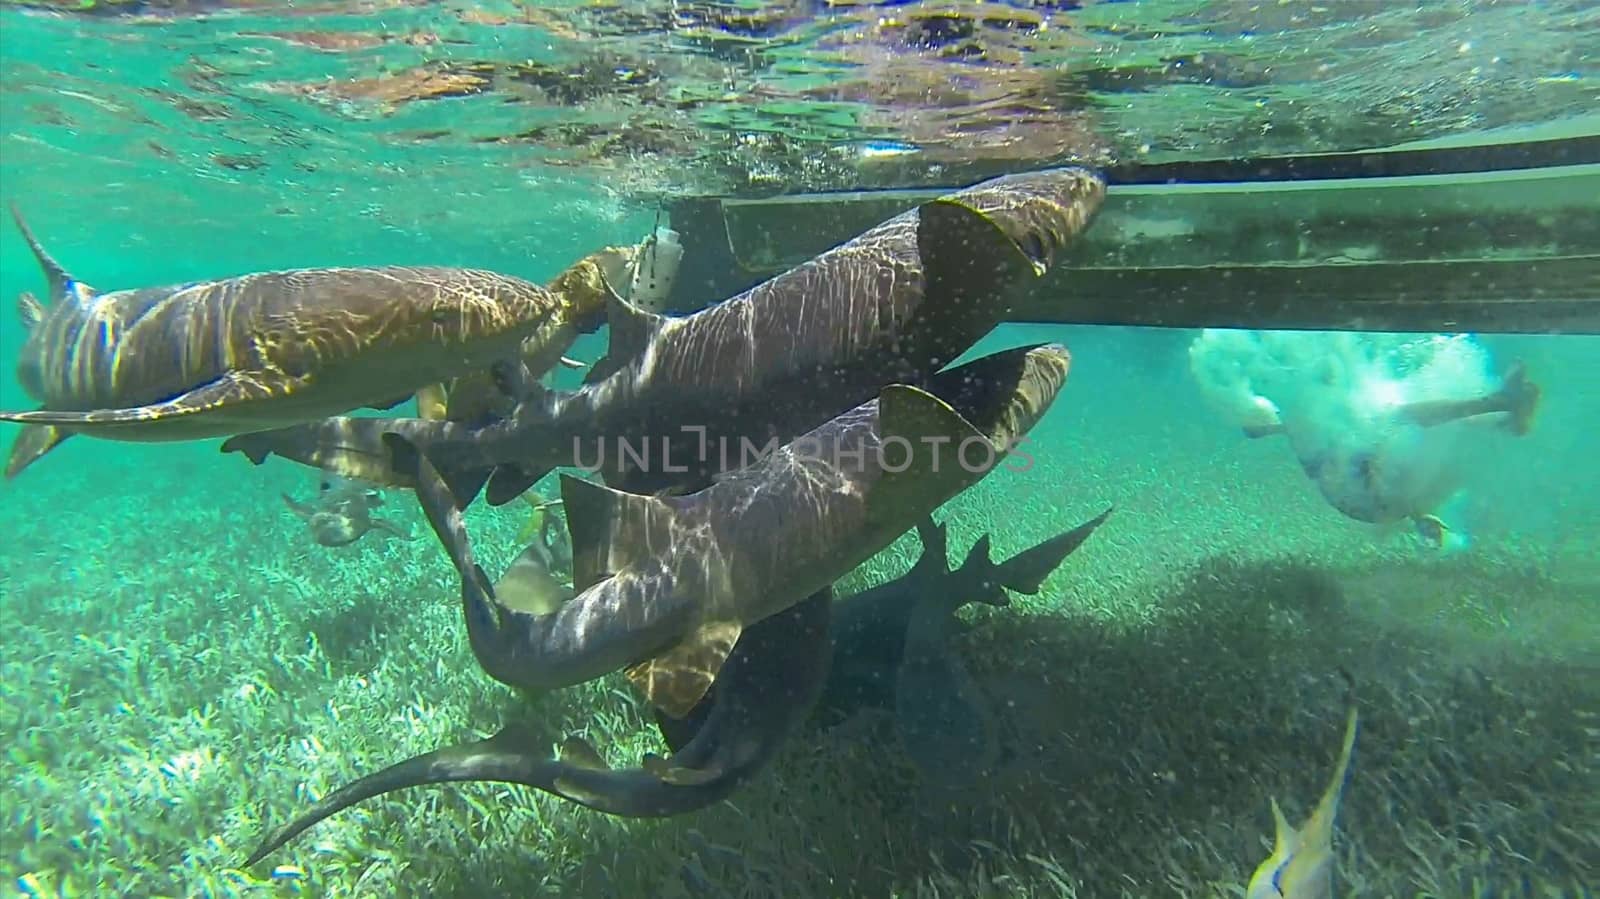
[(1039, 212)]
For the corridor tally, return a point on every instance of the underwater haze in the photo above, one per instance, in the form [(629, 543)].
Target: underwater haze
[(1302, 521)]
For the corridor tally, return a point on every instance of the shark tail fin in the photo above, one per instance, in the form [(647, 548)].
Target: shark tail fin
[(61, 282), (1521, 397), (506, 757), (33, 442), (1026, 571)]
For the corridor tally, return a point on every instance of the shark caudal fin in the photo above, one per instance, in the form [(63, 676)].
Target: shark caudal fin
[(62, 285), (33, 442), (1026, 571), (507, 757), (1521, 399)]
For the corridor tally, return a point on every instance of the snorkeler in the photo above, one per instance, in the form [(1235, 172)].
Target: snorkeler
[(1386, 425)]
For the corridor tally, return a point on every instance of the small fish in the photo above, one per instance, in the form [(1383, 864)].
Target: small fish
[(342, 514), (1301, 863)]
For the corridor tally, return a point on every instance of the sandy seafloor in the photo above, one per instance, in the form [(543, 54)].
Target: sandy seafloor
[(181, 664)]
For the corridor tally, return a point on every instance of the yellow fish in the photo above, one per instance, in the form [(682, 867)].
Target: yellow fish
[(1301, 863)]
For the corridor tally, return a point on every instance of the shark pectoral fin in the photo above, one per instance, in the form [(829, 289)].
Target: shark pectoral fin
[(676, 680), (232, 389), (432, 402), (666, 772), (528, 586), (33, 442), (964, 252), (29, 309), (922, 424)]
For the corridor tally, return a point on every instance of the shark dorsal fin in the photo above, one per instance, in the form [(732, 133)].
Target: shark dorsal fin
[(632, 329), (597, 517), (919, 420), (62, 284)]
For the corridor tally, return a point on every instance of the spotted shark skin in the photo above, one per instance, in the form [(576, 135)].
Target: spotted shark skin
[(893, 305), (261, 351)]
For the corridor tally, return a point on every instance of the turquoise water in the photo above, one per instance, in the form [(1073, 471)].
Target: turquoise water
[(183, 667)]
